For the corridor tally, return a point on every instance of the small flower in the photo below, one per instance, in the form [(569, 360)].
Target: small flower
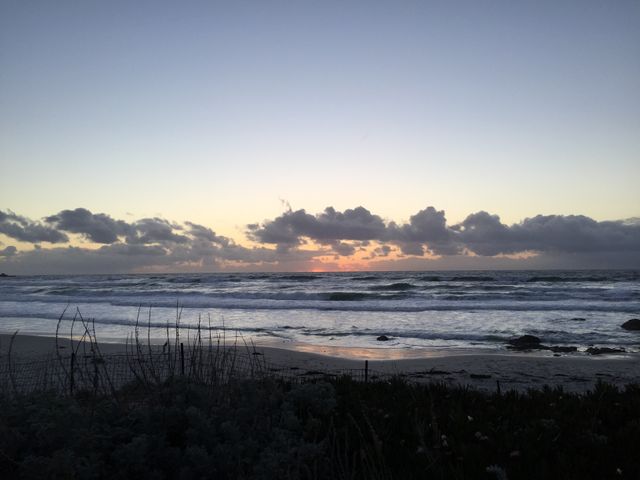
[(498, 471)]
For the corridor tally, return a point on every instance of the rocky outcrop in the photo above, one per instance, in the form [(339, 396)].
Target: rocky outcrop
[(604, 350), (633, 324), (382, 338), (563, 349), (525, 342), (531, 342)]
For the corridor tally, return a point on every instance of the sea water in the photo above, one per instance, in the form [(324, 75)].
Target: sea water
[(415, 310)]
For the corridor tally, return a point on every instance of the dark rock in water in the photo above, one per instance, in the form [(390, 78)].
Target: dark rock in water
[(602, 350), (382, 338), (531, 342), (578, 319), (633, 324), (563, 349), (5, 275), (525, 342)]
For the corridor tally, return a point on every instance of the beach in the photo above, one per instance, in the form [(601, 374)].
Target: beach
[(485, 371)]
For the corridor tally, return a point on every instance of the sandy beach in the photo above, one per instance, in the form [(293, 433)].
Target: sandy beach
[(520, 371)]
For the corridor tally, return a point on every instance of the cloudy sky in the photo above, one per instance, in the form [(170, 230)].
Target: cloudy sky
[(318, 135)]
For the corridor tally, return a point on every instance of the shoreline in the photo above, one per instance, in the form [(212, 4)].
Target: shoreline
[(482, 370)]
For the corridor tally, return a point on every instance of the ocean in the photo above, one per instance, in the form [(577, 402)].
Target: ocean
[(415, 310)]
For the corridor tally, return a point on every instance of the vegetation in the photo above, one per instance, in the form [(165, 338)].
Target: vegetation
[(336, 428)]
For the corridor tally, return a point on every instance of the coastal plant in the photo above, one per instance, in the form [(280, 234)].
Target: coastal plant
[(267, 428)]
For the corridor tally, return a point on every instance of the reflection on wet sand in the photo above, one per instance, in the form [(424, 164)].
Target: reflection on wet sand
[(359, 353)]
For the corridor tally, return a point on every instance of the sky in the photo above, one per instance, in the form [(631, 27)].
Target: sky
[(318, 135)]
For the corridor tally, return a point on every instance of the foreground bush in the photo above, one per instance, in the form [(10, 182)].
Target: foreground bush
[(328, 429)]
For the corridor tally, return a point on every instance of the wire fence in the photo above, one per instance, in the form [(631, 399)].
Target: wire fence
[(103, 374)]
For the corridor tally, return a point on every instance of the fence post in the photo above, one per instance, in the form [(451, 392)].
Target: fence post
[(366, 371), (182, 358), (95, 375), (73, 361)]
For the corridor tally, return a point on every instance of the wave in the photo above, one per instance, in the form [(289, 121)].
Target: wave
[(184, 280), (407, 334), (430, 279), (300, 277), (394, 286), (560, 279), (472, 278), (347, 296), (340, 301)]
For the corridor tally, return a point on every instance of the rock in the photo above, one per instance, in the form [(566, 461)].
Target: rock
[(604, 350), (563, 349), (525, 342), (578, 319), (382, 338), (633, 324)]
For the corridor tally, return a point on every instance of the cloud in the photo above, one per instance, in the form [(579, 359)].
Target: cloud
[(327, 227), (155, 230), (332, 227), (427, 232), (9, 251), (149, 244), (25, 230), (99, 227), (484, 234), (102, 228), (204, 233), (343, 249), (298, 240)]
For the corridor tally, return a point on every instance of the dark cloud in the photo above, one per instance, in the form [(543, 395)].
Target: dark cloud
[(155, 230), (297, 240), (9, 251), (102, 228), (343, 249), (133, 250), (331, 227), (121, 258), (97, 227), (428, 226), (427, 232), (484, 234), (204, 233), (327, 227), (25, 230)]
